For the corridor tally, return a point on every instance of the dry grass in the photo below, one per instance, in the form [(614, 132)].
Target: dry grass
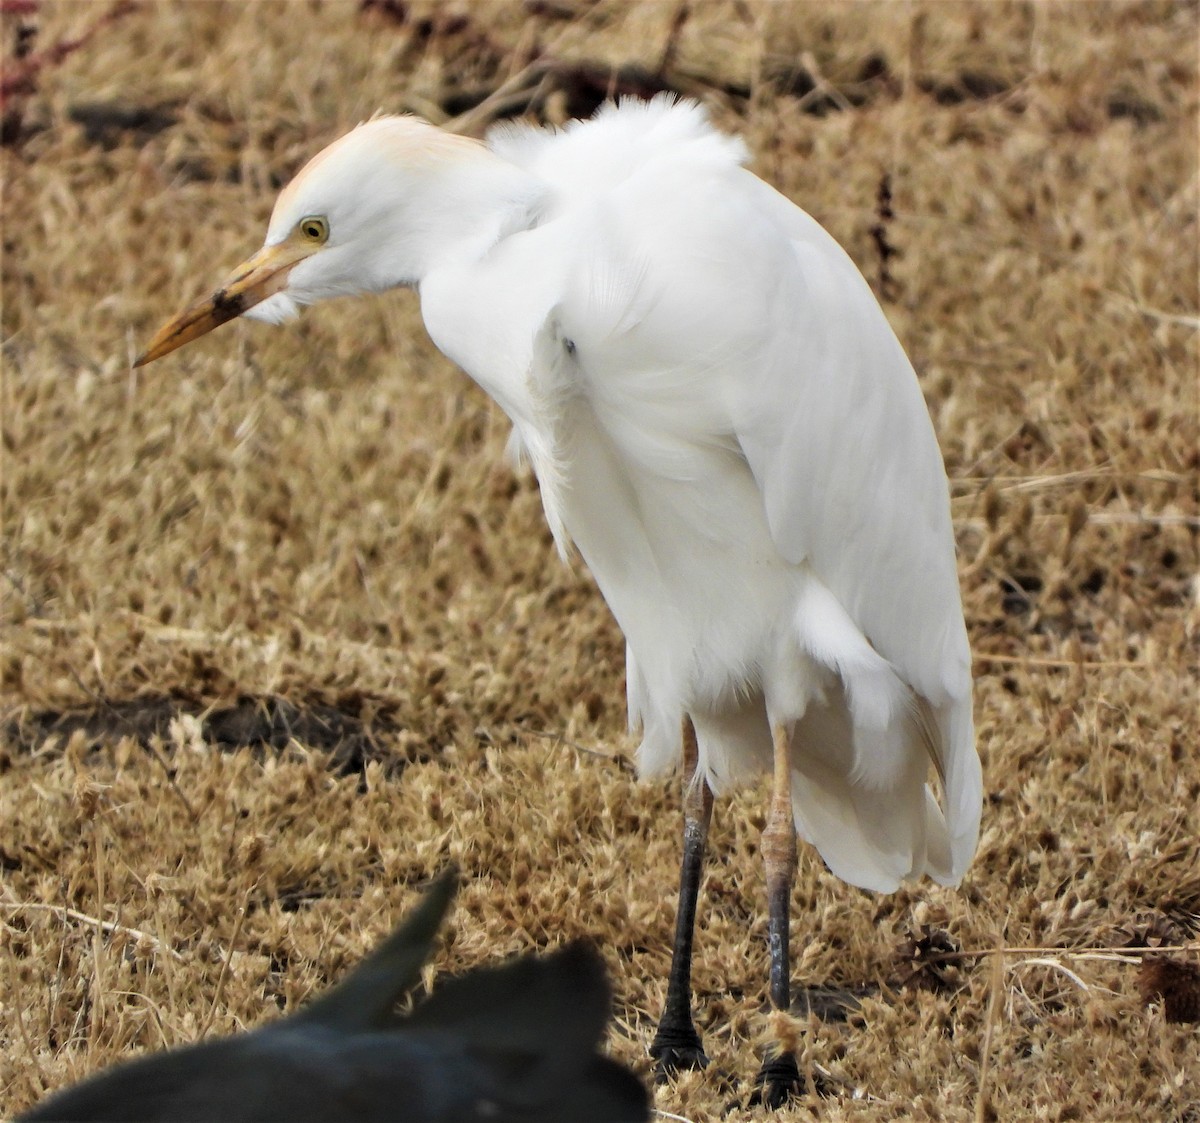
[(322, 515)]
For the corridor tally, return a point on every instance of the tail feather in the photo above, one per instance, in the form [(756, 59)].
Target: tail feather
[(963, 788), (875, 837), (367, 997)]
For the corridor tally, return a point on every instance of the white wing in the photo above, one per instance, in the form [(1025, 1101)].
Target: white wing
[(719, 313), (718, 324), (789, 359), (837, 432)]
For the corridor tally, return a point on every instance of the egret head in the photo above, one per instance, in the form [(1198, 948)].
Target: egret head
[(361, 216)]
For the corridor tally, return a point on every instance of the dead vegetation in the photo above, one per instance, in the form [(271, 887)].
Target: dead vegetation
[(282, 632)]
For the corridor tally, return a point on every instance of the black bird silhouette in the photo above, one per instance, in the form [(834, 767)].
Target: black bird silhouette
[(510, 1044)]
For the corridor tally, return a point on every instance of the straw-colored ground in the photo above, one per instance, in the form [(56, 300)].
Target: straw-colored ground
[(283, 633)]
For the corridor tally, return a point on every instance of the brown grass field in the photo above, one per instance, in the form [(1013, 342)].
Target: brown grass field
[(283, 632)]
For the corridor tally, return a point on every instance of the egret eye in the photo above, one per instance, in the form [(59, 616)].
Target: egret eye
[(313, 228)]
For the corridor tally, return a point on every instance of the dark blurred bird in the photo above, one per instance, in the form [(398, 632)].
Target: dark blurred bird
[(511, 1044)]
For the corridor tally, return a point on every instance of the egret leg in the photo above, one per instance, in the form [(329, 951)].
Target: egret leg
[(779, 1078), (677, 1045)]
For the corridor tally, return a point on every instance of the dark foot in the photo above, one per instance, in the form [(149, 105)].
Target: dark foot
[(778, 1082), (677, 1047)]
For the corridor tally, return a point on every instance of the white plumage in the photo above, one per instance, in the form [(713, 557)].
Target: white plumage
[(725, 425), (721, 421)]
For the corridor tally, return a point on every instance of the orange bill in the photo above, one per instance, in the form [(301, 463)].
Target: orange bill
[(249, 284)]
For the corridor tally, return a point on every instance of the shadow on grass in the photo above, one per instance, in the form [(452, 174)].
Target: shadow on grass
[(354, 729)]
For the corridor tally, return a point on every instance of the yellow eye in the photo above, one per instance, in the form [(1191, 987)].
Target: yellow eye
[(313, 228)]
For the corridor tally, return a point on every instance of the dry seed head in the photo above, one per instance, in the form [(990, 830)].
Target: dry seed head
[(87, 797), (993, 506)]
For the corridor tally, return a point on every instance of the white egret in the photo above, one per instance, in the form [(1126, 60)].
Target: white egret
[(724, 424)]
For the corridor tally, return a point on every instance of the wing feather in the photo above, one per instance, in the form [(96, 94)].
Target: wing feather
[(714, 318), (836, 431)]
